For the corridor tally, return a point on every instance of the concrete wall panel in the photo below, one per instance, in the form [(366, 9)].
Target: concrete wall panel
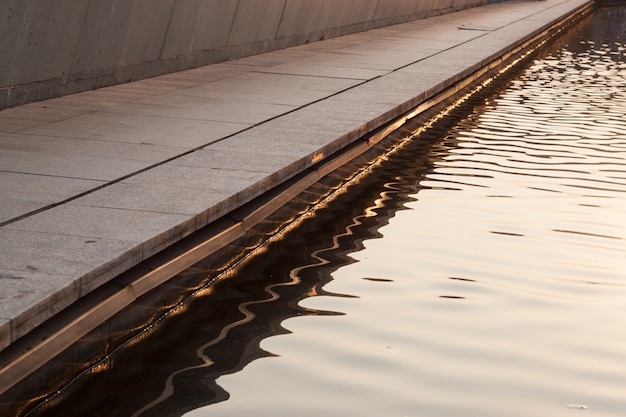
[(354, 12), (54, 47), (149, 22), (42, 38), (13, 28), (213, 25), (303, 16), (66, 15), (392, 9), (348, 13), (103, 35), (181, 29), (198, 25), (321, 16), (426, 6), (256, 21)]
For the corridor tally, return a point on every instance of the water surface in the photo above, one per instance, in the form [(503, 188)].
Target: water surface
[(478, 271)]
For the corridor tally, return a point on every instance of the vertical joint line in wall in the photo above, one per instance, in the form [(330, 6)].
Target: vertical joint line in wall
[(232, 23), (280, 21), (374, 14), (74, 53), (167, 31)]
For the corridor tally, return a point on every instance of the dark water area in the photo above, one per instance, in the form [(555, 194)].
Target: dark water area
[(478, 270)]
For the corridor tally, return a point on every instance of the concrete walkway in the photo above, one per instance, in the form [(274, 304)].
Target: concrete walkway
[(92, 184)]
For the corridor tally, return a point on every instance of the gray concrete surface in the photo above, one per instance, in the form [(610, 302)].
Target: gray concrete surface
[(55, 47), (93, 183)]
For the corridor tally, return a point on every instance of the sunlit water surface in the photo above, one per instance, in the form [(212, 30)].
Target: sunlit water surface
[(479, 271)]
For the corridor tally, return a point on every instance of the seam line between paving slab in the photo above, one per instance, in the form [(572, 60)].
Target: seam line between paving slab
[(312, 173), (181, 155)]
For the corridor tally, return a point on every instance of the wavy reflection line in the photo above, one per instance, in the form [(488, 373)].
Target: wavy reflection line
[(533, 172), (244, 308), (348, 231), (169, 389)]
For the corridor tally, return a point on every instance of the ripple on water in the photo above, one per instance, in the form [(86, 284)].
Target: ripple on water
[(504, 281)]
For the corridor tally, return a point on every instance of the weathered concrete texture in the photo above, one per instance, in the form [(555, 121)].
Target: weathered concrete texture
[(55, 47), (94, 183)]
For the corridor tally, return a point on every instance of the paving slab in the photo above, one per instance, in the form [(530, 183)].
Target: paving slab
[(214, 109), (23, 193), (305, 89), (20, 300), (68, 157), (282, 96), (12, 125), (154, 124), (200, 179), (91, 101), (41, 112), (231, 159), (45, 252), (332, 69), (150, 196), (94, 183)]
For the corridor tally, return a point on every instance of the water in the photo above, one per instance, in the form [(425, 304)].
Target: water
[(478, 271)]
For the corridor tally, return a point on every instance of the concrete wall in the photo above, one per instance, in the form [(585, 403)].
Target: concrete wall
[(55, 47)]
